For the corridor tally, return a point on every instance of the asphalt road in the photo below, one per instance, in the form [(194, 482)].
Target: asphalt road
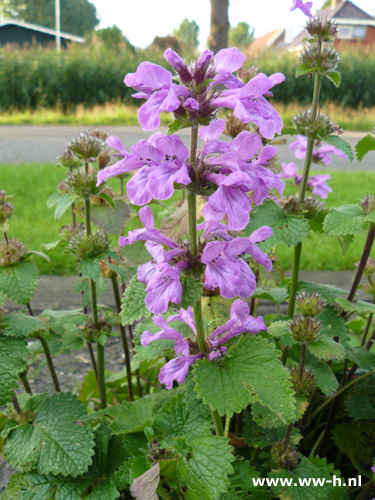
[(29, 144)]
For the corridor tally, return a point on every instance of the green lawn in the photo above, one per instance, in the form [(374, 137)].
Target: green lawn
[(34, 224)]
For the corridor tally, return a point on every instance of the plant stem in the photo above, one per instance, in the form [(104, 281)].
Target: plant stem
[(47, 354), (116, 293), (25, 382), (16, 405), (130, 328), (366, 329), (73, 207), (122, 186), (217, 422), (302, 360), (303, 186), (6, 238), (365, 493), (363, 261), (317, 444), (87, 216), (227, 424), (287, 437), (93, 361)]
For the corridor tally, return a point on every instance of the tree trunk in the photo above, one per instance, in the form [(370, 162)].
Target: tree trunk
[(218, 38)]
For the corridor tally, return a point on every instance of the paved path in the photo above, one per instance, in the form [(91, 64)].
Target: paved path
[(28, 144)]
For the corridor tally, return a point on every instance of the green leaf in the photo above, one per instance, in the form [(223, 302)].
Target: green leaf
[(340, 144), (255, 435), (55, 441), (360, 306), (287, 229), (276, 295), (328, 292), (326, 348), (51, 246), (83, 285), (308, 469), (333, 325), (63, 204), (335, 78), (241, 484), (344, 220), (72, 338), (154, 349), (133, 302), (131, 417), (355, 440), (316, 224), (19, 282), (191, 292), (288, 131), (39, 254), (249, 372), (53, 199), (324, 377), (145, 486), (364, 146), (206, 473), (112, 219), (120, 270), (108, 199), (281, 331), (13, 353), (90, 268), (361, 405), (361, 357), (345, 242), (180, 418), (303, 69), (177, 125), (22, 325)]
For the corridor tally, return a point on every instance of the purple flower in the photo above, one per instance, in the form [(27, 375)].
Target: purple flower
[(240, 322), (166, 332), (290, 172), (249, 105), (319, 185), (320, 153), (154, 83), (178, 368), (226, 62), (304, 7)]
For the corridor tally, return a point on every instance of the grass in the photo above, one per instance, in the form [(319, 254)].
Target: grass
[(120, 114), (33, 223)]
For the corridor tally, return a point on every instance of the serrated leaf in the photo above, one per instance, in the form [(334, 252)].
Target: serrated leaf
[(287, 229), (333, 325), (303, 69), (177, 125), (191, 292), (83, 285), (179, 419), (51, 246), (345, 242), (328, 292), (280, 330), (133, 305), (108, 199), (120, 270), (21, 325), (90, 268), (250, 372), (344, 220), (242, 485), (275, 295), (361, 405), (255, 435), (131, 417), (340, 144), (111, 219), (327, 349), (361, 357), (334, 77), (307, 469), (54, 442), (63, 204), (72, 338), (53, 199), (288, 131), (356, 441), (316, 224), (360, 306), (324, 377), (206, 473), (13, 353), (145, 486), (364, 146), (19, 282)]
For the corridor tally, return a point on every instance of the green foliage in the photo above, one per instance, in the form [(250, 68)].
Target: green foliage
[(19, 282), (326, 348), (13, 353), (328, 292), (90, 268), (250, 372), (133, 302), (112, 221), (206, 472), (276, 295), (255, 435), (21, 325), (241, 484), (342, 145), (131, 417), (240, 36), (364, 146), (191, 292), (347, 219), (324, 377), (63, 204), (360, 403), (187, 34), (288, 229), (54, 442), (334, 77)]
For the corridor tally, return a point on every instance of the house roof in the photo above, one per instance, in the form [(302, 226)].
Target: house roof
[(264, 42), (345, 12), (41, 29)]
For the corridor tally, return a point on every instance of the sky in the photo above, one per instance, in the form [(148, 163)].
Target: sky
[(142, 20)]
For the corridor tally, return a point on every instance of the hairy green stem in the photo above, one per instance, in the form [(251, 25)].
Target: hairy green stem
[(227, 424), (25, 382), (16, 405), (93, 361), (116, 293), (302, 361), (287, 437), (218, 425), (366, 329)]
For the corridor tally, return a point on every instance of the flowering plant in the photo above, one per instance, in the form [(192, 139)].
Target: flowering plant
[(214, 399)]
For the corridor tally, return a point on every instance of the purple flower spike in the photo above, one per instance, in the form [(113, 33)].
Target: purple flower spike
[(320, 153), (290, 172), (186, 317), (226, 62), (319, 185), (179, 65), (154, 83), (166, 332), (178, 368), (248, 245), (304, 7)]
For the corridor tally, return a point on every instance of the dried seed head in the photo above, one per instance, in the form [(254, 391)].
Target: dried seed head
[(304, 384), (88, 247), (103, 159), (11, 253), (318, 128), (368, 204), (67, 232), (245, 75), (234, 126), (6, 209), (305, 329), (86, 146), (311, 207), (323, 60), (291, 205), (283, 460), (102, 135), (105, 271), (310, 304), (68, 160)]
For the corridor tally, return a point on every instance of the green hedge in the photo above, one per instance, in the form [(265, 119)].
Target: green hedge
[(93, 74), (357, 79)]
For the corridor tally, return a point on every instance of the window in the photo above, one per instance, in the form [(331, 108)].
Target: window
[(350, 32)]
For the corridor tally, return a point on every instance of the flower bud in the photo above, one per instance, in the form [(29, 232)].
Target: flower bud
[(322, 30), (83, 184), (68, 160), (103, 159), (305, 329), (302, 384), (321, 60), (85, 246), (201, 66), (179, 65), (11, 253), (245, 75), (86, 146), (318, 128), (281, 459), (311, 207), (6, 209), (310, 304), (67, 232), (234, 126), (368, 204)]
